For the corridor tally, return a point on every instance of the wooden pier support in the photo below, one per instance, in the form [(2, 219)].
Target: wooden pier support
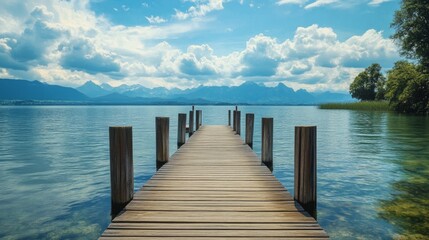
[(121, 168), (306, 168), (229, 117), (181, 129), (162, 137), (198, 119), (267, 143), (234, 120), (250, 119), (238, 122), (191, 123)]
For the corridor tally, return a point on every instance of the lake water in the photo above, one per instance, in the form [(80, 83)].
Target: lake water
[(373, 167)]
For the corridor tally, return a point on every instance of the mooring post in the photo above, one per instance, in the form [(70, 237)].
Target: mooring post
[(121, 168), (238, 122), (198, 119), (267, 143), (194, 117), (229, 117), (191, 123), (234, 120), (250, 119), (162, 137), (306, 168), (181, 129), (201, 118)]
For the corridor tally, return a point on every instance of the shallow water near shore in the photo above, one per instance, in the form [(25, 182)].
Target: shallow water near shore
[(373, 167)]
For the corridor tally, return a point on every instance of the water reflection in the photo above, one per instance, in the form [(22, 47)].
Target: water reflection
[(408, 206), (355, 177)]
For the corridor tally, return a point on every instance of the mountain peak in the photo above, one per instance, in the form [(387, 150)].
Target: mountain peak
[(91, 89), (282, 85), (249, 83), (106, 86), (89, 83)]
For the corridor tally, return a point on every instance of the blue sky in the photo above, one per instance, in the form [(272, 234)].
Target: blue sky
[(312, 44)]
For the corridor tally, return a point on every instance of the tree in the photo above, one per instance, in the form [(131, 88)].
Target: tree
[(411, 23), (381, 90), (369, 84), (407, 88), (408, 83)]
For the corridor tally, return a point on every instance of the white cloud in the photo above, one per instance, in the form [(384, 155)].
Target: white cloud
[(82, 55), (200, 9), (125, 8), (298, 2), (315, 58), (67, 35), (30, 47), (377, 2), (261, 56), (155, 19), (319, 3), (4, 73), (370, 47), (331, 3)]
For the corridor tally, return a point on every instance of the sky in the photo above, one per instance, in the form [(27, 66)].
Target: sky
[(317, 45)]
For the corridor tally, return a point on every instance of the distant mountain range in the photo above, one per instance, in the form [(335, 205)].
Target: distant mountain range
[(11, 89), (91, 93)]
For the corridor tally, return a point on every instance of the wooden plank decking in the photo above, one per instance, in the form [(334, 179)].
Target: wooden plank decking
[(213, 187)]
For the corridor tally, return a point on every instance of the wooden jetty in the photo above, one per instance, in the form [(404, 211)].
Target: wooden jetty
[(213, 187)]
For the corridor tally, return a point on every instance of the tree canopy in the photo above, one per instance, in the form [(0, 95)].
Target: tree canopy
[(411, 23), (407, 88), (369, 84)]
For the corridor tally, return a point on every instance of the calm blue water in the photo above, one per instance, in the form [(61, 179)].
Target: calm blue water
[(54, 166)]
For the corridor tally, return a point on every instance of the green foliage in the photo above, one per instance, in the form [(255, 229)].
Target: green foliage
[(364, 105), (408, 89), (412, 32), (369, 84), (381, 90)]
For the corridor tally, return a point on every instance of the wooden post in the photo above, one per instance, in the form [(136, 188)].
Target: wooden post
[(250, 119), (193, 118), (238, 122), (162, 137), (191, 123), (181, 129), (121, 168), (198, 119), (267, 143), (234, 117), (229, 117), (305, 168), (236, 108)]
